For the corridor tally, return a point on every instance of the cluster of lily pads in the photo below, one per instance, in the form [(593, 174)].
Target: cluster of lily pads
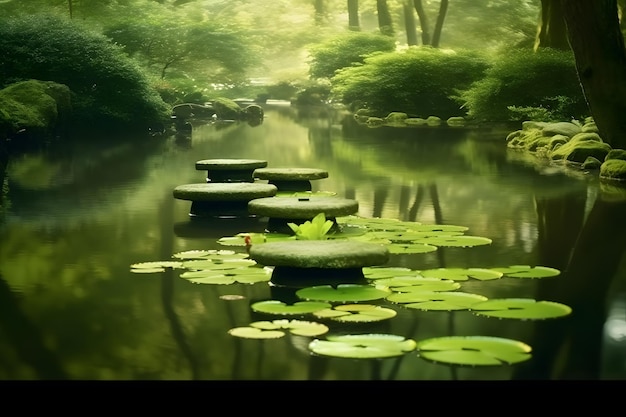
[(426, 290)]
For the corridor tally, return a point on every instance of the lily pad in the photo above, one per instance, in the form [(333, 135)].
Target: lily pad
[(271, 329), (210, 254), (225, 277), (439, 228), (462, 274), (144, 270), (218, 265), (454, 241), (521, 308), (366, 346), (474, 350), (527, 271), (374, 223), (414, 284), (156, 264), (362, 313), (378, 272), (255, 238), (400, 248), (278, 307), (437, 300), (343, 293)]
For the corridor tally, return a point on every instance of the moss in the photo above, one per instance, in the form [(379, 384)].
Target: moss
[(227, 109), (561, 128), (616, 154), (586, 136), (614, 169), (579, 150), (223, 191)]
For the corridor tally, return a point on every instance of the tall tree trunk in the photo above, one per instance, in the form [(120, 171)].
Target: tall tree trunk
[(385, 24), (598, 45), (551, 30), (320, 12), (353, 15), (409, 23), (443, 9), (421, 14)]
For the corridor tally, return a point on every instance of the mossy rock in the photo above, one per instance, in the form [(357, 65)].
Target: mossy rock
[(433, 120), (415, 121), (532, 125), (327, 254), (590, 127), (230, 164), (290, 174), (591, 163), (586, 136), (224, 191), (579, 150), (396, 119), (375, 121), (514, 135), (616, 154), (557, 140), (614, 169), (561, 128), (303, 208), (456, 121), (227, 109)]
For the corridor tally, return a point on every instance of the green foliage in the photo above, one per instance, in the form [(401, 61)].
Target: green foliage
[(108, 89), (315, 229), (420, 81), (346, 50), (526, 85)]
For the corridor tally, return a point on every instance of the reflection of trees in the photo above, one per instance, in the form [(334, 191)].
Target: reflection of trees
[(26, 337), (570, 348)]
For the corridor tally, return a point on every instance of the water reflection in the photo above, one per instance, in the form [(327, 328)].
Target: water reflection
[(83, 213)]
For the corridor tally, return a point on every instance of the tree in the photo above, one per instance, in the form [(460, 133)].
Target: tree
[(423, 18), (551, 31), (409, 23), (595, 37), (443, 9), (441, 16), (353, 15), (385, 22)]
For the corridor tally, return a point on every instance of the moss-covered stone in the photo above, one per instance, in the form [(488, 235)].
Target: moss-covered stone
[(586, 136), (561, 128), (557, 140), (415, 121), (327, 254), (227, 109), (229, 164), (303, 208), (375, 121), (224, 191), (580, 150), (591, 163), (34, 106), (614, 169), (456, 121), (290, 174), (396, 119), (616, 154)]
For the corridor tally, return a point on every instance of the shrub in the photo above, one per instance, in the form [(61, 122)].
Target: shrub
[(421, 81), (108, 89), (344, 51), (527, 85)]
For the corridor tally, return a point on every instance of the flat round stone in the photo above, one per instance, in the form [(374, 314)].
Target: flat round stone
[(290, 174), (241, 191), (320, 254), (229, 164), (303, 208)]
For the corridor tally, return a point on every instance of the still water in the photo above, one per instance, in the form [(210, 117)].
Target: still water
[(81, 214)]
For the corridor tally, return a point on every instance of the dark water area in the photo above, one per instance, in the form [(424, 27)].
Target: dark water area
[(81, 214)]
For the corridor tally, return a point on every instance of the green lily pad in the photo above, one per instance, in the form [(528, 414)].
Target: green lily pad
[(454, 241), (271, 329), (462, 274), (343, 293), (378, 272), (362, 313), (374, 223), (248, 332), (147, 270), (437, 300), (414, 284), (473, 350), (400, 248), (527, 271), (218, 265), (156, 264), (210, 254), (521, 308), (439, 228), (366, 346), (249, 275), (278, 307)]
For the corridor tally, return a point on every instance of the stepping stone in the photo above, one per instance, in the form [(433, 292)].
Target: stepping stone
[(230, 170), (222, 199), (290, 179), (283, 210), (301, 263)]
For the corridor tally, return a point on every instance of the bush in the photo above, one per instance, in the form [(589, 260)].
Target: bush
[(108, 89), (344, 51), (421, 81), (527, 85)]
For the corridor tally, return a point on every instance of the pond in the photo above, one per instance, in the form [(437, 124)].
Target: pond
[(81, 214)]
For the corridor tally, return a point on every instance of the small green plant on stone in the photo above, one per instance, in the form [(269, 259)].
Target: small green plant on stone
[(316, 229)]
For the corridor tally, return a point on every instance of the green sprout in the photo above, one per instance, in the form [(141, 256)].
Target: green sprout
[(315, 229)]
